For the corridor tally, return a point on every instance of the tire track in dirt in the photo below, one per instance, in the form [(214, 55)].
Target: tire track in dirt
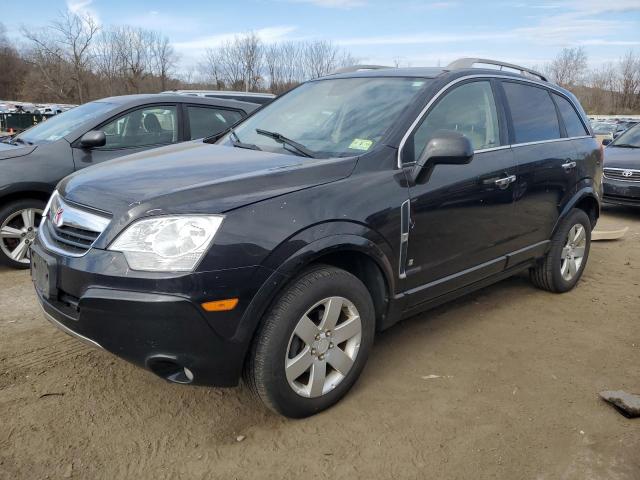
[(35, 360)]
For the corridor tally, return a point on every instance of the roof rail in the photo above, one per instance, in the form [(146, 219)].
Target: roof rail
[(470, 62), (357, 68)]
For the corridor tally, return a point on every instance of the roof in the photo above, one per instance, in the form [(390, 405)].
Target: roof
[(427, 72), (222, 92), (418, 72), (133, 100)]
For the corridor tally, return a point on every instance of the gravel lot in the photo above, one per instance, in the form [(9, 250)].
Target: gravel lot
[(515, 398)]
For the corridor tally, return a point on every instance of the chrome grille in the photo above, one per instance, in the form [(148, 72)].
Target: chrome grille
[(624, 174), (68, 229)]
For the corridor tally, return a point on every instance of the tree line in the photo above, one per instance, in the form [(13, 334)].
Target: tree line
[(73, 60), (610, 89)]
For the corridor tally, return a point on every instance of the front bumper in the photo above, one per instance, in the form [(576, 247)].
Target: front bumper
[(154, 320), (621, 192)]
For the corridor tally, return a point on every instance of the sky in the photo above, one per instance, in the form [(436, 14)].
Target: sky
[(415, 33)]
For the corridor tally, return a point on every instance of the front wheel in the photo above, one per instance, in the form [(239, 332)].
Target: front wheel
[(19, 222), (563, 265), (313, 344)]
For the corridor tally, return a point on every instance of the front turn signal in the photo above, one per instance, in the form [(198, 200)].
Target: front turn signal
[(220, 305)]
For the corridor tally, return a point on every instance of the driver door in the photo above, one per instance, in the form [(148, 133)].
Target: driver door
[(137, 130), (461, 216)]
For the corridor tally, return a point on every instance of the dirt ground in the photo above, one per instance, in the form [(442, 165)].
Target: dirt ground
[(516, 395)]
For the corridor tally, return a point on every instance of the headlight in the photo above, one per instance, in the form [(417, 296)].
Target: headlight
[(167, 243)]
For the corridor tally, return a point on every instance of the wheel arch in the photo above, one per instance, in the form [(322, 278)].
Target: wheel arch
[(585, 199), (358, 255), (25, 191)]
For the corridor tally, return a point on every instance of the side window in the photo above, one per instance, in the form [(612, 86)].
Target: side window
[(205, 121), (533, 113), (154, 125), (572, 122), (469, 109)]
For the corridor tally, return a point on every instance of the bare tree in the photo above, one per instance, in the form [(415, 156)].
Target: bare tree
[(569, 66), (249, 50), (629, 69), (67, 39), (211, 68), (107, 61), (134, 52), (12, 66), (163, 58)]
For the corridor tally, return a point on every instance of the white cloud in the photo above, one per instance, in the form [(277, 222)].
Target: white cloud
[(442, 5), (78, 6), (334, 3), (595, 7), (422, 38), (267, 35), (83, 7)]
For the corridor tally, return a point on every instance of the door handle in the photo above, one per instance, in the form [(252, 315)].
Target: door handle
[(505, 182), (569, 166)]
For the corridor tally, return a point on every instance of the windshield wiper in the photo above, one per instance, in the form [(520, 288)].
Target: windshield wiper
[(17, 140), (235, 141), (625, 145), (278, 137)]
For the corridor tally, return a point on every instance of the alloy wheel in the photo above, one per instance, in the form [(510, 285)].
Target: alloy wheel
[(323, 347), (573, 252), (17, 233)]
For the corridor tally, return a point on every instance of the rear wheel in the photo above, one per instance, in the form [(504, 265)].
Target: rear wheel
[(313, 343), (19, 222), (561, 269)]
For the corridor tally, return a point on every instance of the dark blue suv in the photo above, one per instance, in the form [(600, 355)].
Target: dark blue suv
[(276, 250)]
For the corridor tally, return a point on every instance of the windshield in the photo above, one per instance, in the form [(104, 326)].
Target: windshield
[(630, 137), (330, 118), (62, 124)]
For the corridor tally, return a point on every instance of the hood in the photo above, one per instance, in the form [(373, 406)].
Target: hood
[(622, 157), (11, 151), (196, 177)]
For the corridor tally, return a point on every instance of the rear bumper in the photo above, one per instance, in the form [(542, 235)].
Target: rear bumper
[(620, 192), (155, 321)]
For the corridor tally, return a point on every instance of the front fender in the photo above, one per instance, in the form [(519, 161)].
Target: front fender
[(311, 243), (13, 190), (296, 261)]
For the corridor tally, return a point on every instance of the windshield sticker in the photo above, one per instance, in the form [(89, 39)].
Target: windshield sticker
[(360, 144), (417, 84)]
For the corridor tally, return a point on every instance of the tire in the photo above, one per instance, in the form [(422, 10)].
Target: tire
[(314, 294), (550, 273), (15, 236)]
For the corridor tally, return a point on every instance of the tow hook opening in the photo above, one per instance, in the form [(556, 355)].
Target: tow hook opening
[(169, 369)]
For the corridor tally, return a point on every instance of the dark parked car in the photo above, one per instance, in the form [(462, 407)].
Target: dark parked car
[(622, 169), (33, 162), (343, 206)]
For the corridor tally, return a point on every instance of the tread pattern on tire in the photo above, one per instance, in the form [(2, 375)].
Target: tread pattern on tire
[(255, 364), (542, 274)]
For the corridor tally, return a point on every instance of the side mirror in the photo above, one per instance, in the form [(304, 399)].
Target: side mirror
[(606, 141), (92, 139), (445, 148)]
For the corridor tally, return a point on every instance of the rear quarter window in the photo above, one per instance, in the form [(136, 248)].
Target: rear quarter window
[(532, 112), (572, 122)]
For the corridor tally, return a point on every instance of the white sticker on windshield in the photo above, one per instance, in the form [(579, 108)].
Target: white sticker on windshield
[(361, 144)]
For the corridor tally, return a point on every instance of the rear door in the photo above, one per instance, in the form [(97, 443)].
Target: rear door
[(546, 161), (587, 149), (138, 129), (461, 216)]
